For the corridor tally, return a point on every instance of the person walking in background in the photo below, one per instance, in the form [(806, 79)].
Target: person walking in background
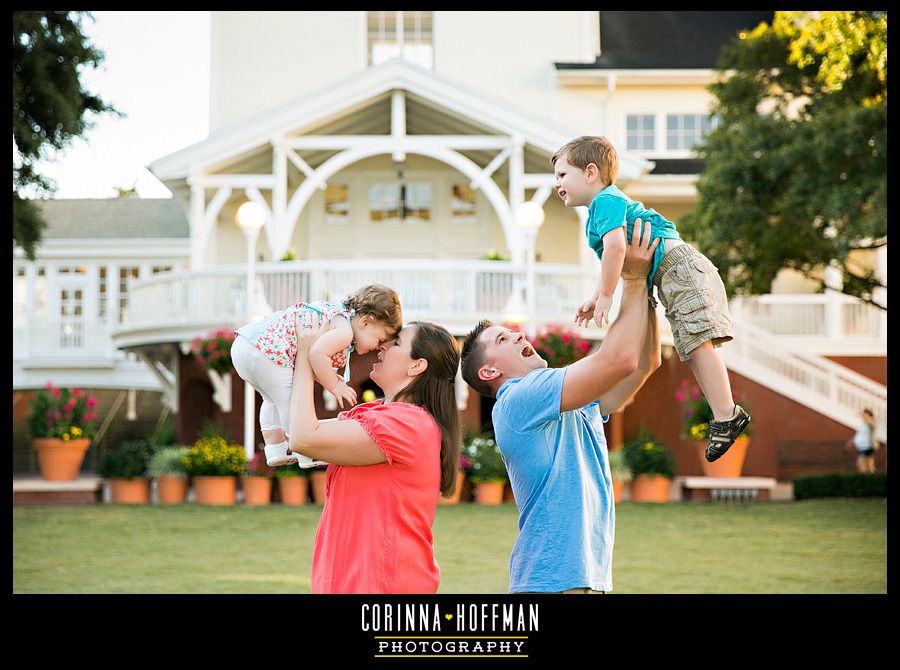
[(864, 441)]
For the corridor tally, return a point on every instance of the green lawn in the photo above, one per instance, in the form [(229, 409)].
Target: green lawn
[(813, 546)]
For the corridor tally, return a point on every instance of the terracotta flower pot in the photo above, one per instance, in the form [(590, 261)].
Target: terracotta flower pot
[(489, 493), (453, 498), (215, 490), (508, 495), (317, 481), (650, 488), (134, 491), (729, 465), (60, 460), (257, 490), (171, 489), (293, 490), (618, 485)]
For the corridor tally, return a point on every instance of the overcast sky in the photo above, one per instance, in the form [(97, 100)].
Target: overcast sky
[(157, 72)]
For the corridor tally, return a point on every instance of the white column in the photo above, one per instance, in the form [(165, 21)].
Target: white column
[(198, 205), (112, 294), (279, 199), (517, 193), (879, 295), (833, 301), (398, 123)]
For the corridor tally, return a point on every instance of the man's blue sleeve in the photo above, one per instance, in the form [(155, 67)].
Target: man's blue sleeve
[(534, 400)]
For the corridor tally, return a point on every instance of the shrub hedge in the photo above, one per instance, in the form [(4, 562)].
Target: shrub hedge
[(840, 485)]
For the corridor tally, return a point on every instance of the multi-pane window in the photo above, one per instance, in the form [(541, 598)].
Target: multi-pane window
[(126, 274), (462, 203), (20, 294), (407, 35), (684, 131), (337, 203), (394, 202), (103, 287), (641, 132)]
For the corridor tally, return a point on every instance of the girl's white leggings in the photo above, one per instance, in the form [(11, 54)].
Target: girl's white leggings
[(274, 383)]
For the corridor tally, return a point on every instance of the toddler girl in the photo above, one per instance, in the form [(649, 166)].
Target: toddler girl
[(263, 354)]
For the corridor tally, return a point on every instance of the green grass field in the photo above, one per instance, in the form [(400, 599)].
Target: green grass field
[(814, 546)]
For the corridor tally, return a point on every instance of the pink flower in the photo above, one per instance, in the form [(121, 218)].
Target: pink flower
[(56, 393), (90, 416), (679, 395), (567, 338), (91, 401), (50, 386), (78, 393), (695, 393), (70, 405), (210, 346)]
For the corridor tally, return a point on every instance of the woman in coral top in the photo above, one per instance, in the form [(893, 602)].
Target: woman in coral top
[(390, 460)]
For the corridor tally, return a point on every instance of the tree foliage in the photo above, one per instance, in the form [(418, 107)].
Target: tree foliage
[(796, 172), (50, 106)]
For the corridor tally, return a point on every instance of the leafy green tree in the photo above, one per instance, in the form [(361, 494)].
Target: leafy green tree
[(796, 171), (50, 106)]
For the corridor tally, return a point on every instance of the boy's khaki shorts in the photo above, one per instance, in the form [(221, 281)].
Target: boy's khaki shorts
[(690, 289)]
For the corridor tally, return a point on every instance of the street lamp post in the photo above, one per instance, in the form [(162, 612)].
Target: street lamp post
[(250, 217), (530, 217)]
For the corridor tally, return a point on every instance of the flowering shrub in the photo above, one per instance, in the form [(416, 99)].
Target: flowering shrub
[(67, 414), (215, 457), (645, 455), (560, 346), (696, 412), (485, 462), (257, 467), (214, 350)]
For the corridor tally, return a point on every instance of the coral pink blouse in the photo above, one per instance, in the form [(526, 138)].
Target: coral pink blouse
[(374, 535)]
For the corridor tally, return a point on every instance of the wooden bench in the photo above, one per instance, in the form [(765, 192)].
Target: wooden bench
[(727, 489)]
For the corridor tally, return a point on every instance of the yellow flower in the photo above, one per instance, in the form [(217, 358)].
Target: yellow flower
[(648, 446), (76, 431), (66, 437)]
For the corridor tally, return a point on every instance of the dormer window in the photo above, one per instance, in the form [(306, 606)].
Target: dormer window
[(406, 35)]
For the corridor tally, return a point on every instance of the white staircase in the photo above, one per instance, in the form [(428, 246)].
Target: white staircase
[(814, 381)]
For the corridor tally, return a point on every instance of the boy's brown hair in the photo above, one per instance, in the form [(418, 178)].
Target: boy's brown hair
[(379, 302), (591, 149)]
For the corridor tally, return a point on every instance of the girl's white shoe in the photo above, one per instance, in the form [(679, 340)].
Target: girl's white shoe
[(277, 454)]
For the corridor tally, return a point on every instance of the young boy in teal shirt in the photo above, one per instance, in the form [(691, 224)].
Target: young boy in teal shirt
[(688, 284)]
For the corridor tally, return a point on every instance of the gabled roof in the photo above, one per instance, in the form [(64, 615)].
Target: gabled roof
[(121, 218), (363, 89), (666, 40)]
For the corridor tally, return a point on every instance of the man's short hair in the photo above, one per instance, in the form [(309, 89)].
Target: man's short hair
[(472, 358)]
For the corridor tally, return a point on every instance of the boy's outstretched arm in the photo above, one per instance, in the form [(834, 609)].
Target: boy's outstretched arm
[(598, 306)]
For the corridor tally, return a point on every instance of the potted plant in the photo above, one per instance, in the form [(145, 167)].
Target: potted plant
[(619, 471), (560, 346), (166, 466), (257, 480), (696, 414), (293, 485), (214, 463), (126, 468), (464, 465), (652, 466), (317, 477), (214, 350), (487, 471), (61, 426)]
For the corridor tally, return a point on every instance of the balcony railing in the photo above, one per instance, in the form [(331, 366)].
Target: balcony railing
[(445, 291), (831, 315)]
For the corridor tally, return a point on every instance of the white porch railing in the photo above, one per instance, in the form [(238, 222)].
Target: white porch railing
[(447, 291), (826, 387), (63, 338), (812, 322)]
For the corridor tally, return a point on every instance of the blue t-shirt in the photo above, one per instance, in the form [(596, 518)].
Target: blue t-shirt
[(559, 471), (611, 208)]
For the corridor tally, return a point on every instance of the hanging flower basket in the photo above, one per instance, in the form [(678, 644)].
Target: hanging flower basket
[(214, 351)]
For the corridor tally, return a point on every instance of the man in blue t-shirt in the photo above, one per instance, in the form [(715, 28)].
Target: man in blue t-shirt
[(549, 426)]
